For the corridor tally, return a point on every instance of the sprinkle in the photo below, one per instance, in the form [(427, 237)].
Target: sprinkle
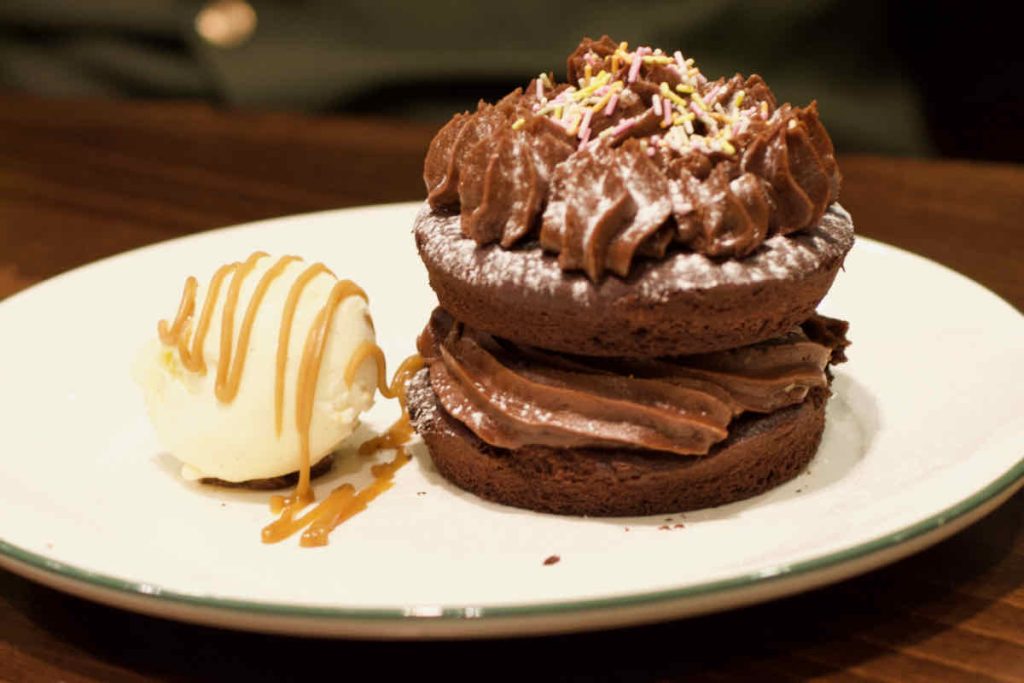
[(585, 126), (680, 62), (764, 110), (669, 95), (658, 59), (624, 46), (612, 103), (615, 63), (656, 104), (520, 122), (601, 79), (726, 147), (608, 95), (650, 151), (623, 126), (634, 68), (588, 73), (584, 138), (684, 88), (540, 90), (558, 112), (695, 97), (737, 100), (668, 116), (574, 127)]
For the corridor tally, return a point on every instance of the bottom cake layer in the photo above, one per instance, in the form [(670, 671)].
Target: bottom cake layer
[(761, 452)]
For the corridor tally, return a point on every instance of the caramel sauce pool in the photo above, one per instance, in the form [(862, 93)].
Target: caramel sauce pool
[(188, 336)]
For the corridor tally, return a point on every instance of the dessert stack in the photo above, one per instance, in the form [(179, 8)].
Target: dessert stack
[(627, 265)]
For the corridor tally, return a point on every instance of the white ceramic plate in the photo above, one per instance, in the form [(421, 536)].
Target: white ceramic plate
[(925, 435)]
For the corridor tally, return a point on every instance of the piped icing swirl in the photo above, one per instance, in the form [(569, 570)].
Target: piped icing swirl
[(511, 396), (635, 153)]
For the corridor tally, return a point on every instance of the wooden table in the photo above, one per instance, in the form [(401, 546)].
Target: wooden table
[(81, 180)]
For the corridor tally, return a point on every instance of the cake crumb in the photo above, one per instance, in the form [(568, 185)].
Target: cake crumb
[(552, 559), (421, 493), (679, 526), (664, 527)]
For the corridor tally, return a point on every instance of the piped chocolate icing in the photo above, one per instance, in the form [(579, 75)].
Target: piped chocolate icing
[(637, 153), (511, 396)]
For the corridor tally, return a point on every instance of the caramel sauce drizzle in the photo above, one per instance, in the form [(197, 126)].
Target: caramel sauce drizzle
[(344, 501)]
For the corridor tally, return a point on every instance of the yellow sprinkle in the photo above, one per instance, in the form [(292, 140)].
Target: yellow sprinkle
[(685, 89), (596, 82), (699, 100), (624, 46), (738, 100), (658, 59), (520, 122), (588, 73), (603, 102), (615, 62), (665, 92), (727, 148), (558, 112), (764, 108)]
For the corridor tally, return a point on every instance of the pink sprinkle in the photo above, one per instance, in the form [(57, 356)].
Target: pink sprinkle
[(638, 58), (709, 96), (680, 62), (624, 125), (540, 90), (668, 114), (650, 150), (584, 138), (585, 124), (612, 103), (656, 103)]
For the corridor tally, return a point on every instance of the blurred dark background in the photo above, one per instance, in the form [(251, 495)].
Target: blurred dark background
[(921, 79)]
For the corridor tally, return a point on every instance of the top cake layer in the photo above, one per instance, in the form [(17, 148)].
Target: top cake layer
[(635, 153)]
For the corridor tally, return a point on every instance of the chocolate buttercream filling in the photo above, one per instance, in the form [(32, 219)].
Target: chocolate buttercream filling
[(635, 152), (512, 396)]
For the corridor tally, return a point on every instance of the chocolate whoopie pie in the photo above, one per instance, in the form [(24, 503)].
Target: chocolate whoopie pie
[(628, 266)]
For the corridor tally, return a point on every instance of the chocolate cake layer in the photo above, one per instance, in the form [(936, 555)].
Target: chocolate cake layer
[(761, 452), (683, 304)]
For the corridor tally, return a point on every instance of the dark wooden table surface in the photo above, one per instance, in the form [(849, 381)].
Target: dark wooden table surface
[(82, 180)]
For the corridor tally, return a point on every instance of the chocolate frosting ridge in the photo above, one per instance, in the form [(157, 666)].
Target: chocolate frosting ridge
[(511, 396), (593, 169)]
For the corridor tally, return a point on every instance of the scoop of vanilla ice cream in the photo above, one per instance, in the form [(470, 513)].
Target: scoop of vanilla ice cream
[(237, 441)]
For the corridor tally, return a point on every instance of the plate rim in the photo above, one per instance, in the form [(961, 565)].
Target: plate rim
[(18, 559), (1007, 483)]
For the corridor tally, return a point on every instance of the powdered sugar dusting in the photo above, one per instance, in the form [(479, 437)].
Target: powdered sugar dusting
[(491, 267)]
